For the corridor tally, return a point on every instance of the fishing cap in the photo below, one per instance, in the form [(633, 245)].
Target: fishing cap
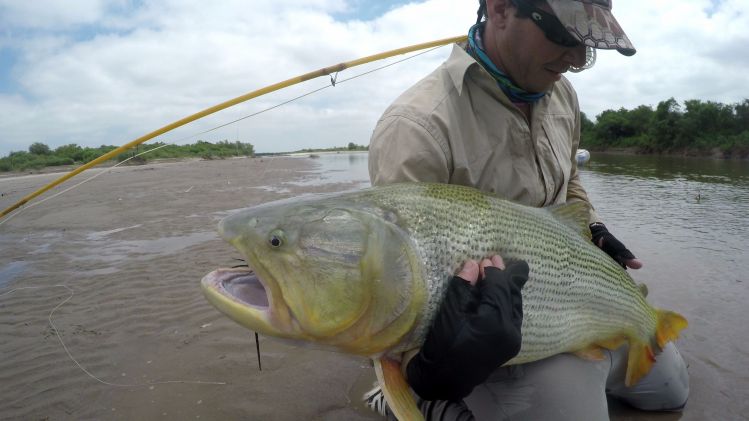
[(592, 23)]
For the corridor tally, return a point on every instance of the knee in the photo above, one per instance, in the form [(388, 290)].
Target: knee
[(674, 378), (664, 388)]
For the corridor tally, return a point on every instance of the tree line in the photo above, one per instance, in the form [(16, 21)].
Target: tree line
[(39, 155), (694, 128), (349, 148)]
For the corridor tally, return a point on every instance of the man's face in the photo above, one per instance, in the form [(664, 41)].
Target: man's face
[(524, 52)]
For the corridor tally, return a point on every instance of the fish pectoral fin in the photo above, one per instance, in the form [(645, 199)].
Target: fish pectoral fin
[(643, 289), (397, 393)]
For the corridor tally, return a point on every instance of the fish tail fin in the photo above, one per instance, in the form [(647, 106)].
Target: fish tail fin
[(669, 326), (639, 362), (642, 356)]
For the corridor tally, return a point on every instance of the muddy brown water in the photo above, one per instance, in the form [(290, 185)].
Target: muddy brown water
[(133, 245)]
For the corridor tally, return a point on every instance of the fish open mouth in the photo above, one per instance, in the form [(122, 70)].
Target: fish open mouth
[(240, 284), (246, 287)]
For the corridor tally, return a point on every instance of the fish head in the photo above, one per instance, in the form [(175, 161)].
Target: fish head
[(327, 271)]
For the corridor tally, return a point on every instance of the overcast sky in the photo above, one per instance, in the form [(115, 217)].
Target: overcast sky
[(96, 72)]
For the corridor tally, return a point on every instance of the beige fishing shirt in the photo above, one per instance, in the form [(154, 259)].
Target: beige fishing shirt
[(456, 126)]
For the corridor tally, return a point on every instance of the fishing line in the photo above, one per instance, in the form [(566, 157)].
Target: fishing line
[(67, 351), (333, 83), (104, 171), (226, 104)]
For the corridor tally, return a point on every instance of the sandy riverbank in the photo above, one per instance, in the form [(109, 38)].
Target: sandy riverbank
[(133, 245)]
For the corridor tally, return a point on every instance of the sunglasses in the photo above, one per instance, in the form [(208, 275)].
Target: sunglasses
[(549, 23)]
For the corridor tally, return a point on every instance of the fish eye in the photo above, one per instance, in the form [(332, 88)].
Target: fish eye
[(276, 239)]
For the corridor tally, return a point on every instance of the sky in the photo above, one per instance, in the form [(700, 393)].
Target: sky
[(104, 72)]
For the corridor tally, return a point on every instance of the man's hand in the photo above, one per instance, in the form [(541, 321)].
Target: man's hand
[(613, 247), (476, 330)]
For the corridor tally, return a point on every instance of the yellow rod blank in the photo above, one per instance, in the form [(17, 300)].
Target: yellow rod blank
[(208, 111)]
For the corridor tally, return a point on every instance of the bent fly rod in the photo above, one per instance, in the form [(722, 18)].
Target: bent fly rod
[(211, 110)]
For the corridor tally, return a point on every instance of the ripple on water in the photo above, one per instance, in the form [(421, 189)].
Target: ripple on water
[(108, 250), (11, 271)]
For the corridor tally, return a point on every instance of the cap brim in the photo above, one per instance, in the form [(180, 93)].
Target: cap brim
[(593, 25)]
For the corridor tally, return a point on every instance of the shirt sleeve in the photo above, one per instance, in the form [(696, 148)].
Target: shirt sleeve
[(402, 150), (575, 192), (575, 189)]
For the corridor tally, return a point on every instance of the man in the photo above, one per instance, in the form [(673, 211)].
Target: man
[(498, 115)]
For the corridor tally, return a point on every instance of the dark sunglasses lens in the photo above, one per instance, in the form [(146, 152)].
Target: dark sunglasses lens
[(553, 28), (563, 39)]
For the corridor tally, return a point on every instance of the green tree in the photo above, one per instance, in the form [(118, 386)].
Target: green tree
[(587, 136), (612, 126), (585, 124), (705, 120), (39, 148), (71, 151), (741, 115), (665, 127)]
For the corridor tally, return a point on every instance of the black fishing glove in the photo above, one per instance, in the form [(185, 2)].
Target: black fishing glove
[(476, 330), (610, 244)]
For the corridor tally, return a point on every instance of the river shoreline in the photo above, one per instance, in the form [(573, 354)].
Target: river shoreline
[(716, 153)]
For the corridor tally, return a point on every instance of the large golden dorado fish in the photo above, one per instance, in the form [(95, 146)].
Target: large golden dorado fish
[(364, 272)]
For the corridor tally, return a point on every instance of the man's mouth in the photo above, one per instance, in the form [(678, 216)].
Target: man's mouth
[(557, 70)]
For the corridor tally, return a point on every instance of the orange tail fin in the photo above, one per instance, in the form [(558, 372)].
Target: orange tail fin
[(669, 326), (642, 355)]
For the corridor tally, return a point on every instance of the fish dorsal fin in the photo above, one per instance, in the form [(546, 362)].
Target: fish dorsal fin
[(396, 390), (575, 215)]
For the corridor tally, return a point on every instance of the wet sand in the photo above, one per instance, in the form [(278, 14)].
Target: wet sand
[(133, 245)]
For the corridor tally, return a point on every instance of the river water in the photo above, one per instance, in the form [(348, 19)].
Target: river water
[(686, 218)]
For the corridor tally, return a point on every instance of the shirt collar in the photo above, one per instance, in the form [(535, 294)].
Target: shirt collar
[(460, 62), (457, 65)]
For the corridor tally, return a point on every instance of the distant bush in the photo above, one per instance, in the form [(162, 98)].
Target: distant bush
[(350, 147), (40, 155), (39, 149)]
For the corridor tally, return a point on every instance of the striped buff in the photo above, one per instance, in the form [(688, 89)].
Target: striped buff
[(514, 93)]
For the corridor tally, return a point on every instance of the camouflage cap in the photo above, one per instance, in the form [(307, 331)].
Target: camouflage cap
[(591, 22)]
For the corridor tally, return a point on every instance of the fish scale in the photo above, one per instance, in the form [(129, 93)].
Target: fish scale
[(572, 284)]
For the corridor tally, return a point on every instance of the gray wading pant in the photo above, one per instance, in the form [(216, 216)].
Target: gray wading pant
[(566, 387)]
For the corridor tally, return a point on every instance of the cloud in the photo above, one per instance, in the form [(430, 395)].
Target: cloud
[(51, 15), (165, 60), (105, 72), (690, 50)]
